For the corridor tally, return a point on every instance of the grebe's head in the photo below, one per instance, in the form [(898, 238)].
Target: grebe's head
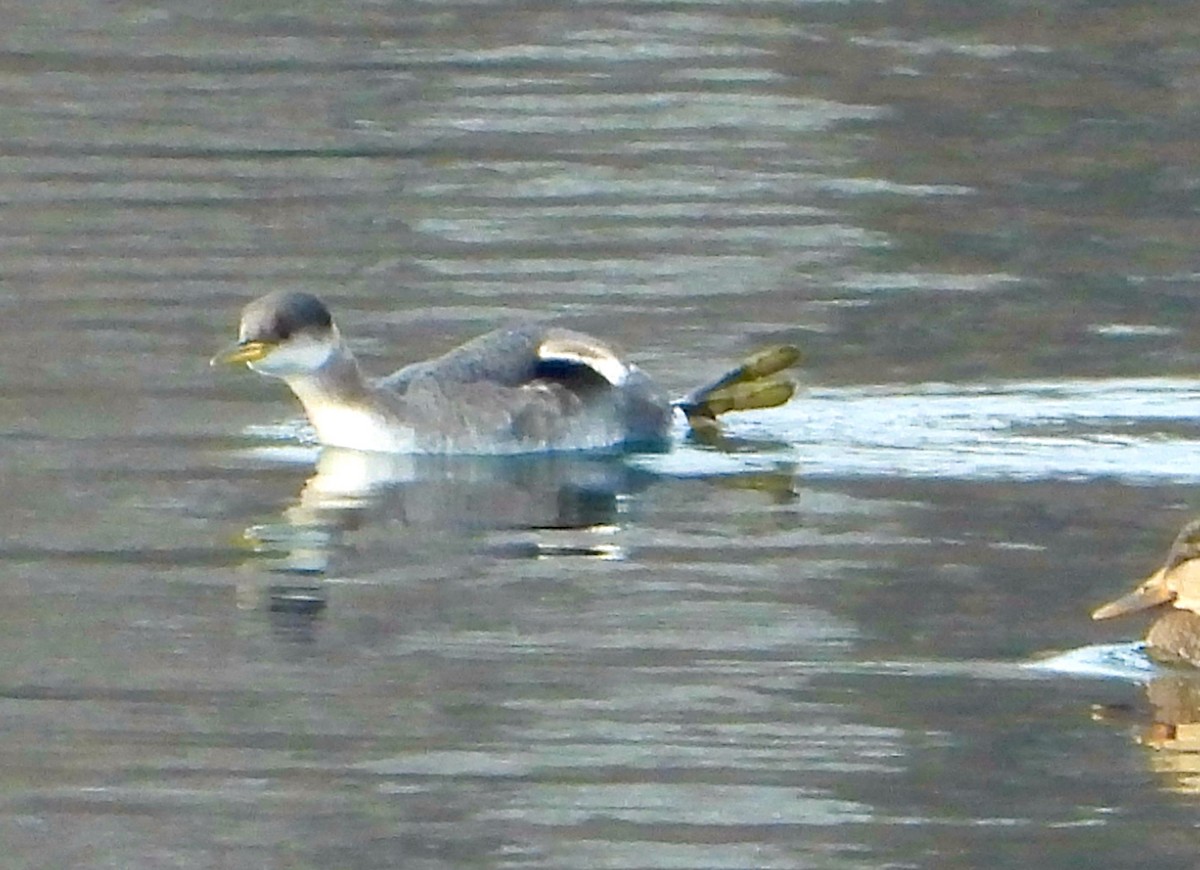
[(283, 334)]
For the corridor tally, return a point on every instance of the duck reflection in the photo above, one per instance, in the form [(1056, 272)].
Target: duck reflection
[(1174, 729)]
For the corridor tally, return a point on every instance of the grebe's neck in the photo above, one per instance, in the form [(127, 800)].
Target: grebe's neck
[(345, 410), (337, 380)]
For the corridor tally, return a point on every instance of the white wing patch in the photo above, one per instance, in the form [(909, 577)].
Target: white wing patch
[(597, 357)]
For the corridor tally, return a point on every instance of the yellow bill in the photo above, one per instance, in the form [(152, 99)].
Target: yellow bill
[(246, 352)]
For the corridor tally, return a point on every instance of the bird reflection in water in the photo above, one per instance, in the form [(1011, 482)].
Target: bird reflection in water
[(538, 506), (1173, 729), (351, 491)]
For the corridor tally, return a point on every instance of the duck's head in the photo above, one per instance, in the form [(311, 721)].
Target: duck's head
[(283, 334), (1176, 583)]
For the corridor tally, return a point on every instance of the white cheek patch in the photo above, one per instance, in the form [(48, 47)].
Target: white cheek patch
[(596, 357), (299, 356)]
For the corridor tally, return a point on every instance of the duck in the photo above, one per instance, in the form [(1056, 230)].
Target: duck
[(1173, 589), (524, 388)]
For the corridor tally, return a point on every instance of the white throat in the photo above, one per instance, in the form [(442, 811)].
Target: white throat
[(342, 421)]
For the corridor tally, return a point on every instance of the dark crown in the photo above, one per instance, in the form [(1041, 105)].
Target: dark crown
[(280, 315)]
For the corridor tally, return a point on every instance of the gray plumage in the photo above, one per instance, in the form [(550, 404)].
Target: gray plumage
[(509, 391), (522, 389)]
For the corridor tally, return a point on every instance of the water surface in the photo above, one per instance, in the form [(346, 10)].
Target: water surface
[(808, 647)]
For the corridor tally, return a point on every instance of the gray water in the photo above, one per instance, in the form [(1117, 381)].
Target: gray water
[(808, 647)]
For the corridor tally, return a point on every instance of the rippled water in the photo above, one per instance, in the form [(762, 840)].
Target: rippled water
[(854, 634)]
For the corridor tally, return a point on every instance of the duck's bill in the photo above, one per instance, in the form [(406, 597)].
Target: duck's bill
[(247, 352), (1150, 594)]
